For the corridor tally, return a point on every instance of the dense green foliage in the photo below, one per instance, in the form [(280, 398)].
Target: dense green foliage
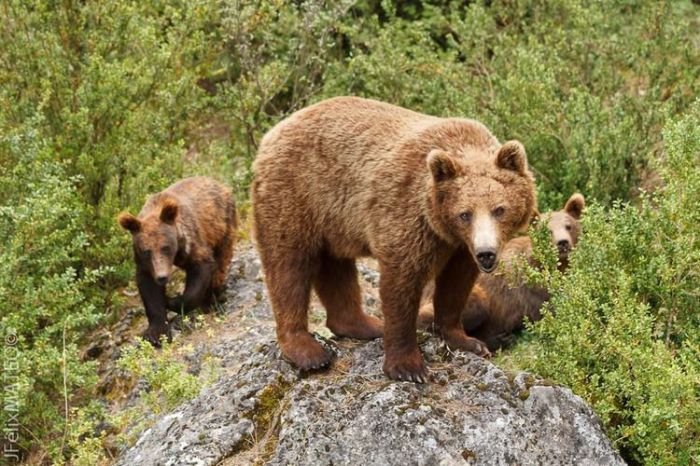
[(104, 102), (623, 329), (93, 114)]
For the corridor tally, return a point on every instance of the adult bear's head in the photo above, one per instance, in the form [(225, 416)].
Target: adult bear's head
[(481, 198)]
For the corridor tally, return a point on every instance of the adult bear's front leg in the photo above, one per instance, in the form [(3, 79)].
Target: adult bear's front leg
[(400, 291), (452, 288)]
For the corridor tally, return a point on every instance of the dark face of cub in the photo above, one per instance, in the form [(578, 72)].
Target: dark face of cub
[(482, 201), (565, 227), (155, 240)]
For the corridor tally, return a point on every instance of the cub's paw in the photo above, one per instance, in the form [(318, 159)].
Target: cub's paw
[(176, 304), (305, 352), (218, 294), (154, 333), (502, 340), (457, 339), (426, 318), (407, 368)]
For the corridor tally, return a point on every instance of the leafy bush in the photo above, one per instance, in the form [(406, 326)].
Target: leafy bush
[(96, 102), (622, 328), (573, 80), (47, 295), (115, 86), (163, 382), (580, 83), (169, 383)]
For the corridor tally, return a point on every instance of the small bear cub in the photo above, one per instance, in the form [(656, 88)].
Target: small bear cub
[(191, 225)]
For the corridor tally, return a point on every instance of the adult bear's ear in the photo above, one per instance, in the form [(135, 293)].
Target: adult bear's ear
[(511, 156), (129, 222), (442, 165), (168, 213), (575, 205)]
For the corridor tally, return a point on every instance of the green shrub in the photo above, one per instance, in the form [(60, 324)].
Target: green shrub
[(115, 86), (96, 102), (168, 381), (623, 329), (47, 295), (573, 80)]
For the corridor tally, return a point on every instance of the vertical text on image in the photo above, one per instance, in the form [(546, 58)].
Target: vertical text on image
[(10, 406)]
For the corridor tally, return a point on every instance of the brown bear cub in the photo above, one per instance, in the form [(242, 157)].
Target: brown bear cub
[(426, 196), (192, 225), (496, 307)]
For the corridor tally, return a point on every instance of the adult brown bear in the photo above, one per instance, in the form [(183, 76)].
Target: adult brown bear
[(192, 225), (426, 196)]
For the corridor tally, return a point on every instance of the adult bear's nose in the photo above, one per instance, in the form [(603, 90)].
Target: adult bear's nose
[(563, 245), (162, 280), (487, 260)]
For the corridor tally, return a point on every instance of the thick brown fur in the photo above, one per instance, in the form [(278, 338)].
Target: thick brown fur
[(351, 177), (191, 225), (497, 307)]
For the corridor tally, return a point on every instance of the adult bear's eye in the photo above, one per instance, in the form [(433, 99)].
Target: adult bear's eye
[(498, 212), (465, 216), (568, 228)]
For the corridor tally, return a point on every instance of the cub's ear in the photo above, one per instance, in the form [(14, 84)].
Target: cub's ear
[(168, 213), (442, 165), (511, 156), (129, 222), (575, 205)]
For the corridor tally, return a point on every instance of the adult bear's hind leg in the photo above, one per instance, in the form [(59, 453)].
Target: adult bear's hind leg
[(339, 291), (288, 278)]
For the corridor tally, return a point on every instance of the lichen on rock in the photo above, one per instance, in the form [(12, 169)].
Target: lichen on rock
[(264, 411)]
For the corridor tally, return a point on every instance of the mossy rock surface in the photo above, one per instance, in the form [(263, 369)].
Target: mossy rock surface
[(264, 411)]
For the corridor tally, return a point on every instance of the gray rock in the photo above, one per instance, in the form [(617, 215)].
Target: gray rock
[(220, 422), (263, 411)]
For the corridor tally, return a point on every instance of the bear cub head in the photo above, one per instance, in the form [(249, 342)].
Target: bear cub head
[(565, 226), (481, 201), (155, 239)]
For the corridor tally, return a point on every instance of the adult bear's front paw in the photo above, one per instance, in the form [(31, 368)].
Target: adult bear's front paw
[(408, 367)]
